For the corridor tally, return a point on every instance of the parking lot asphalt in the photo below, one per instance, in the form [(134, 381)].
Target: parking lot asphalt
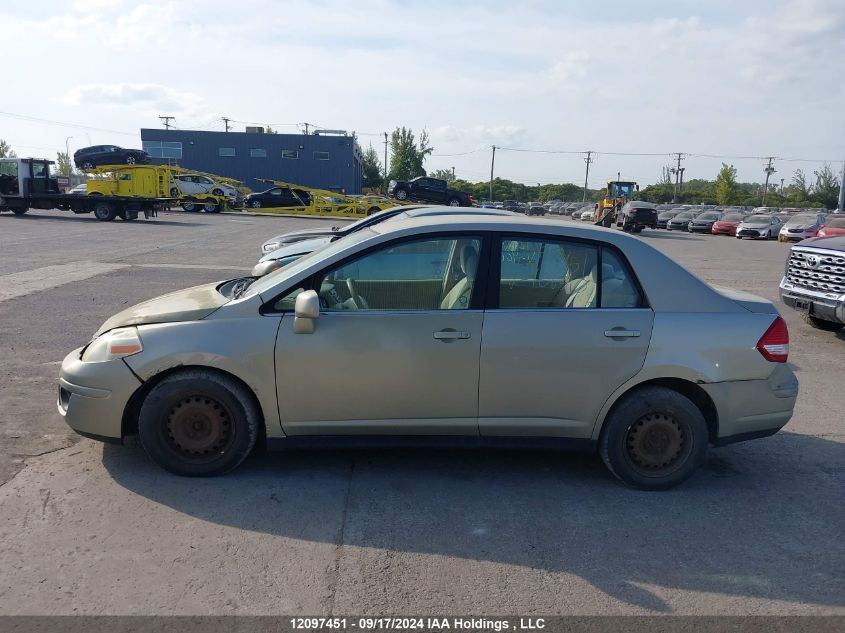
[(93, 529)]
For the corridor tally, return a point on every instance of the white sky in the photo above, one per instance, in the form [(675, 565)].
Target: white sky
[(745, 78)]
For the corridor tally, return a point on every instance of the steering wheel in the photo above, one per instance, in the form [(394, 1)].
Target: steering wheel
[(357, 300)]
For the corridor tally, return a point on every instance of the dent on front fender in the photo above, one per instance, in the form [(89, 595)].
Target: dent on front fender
[(241, 347)]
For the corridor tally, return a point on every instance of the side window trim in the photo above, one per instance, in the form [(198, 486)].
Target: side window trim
[(479, 291), (494, 271)]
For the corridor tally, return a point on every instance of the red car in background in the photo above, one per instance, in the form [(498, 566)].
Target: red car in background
[(727, 225), (834, 226)]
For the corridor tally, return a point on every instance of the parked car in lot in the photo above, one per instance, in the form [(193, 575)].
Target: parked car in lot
[(510, 205), (97, 155), (432, 190), (726, 225), (278, 197), (759, 226), (288, 252), (576, 215), (814, 281), (680, 222), (536, 209), (801, 226), (834, 226), (637, 215), (403, 330), (663, 217), (703, 222)]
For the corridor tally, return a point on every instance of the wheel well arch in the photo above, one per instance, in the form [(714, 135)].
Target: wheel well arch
[(698, 396), (129, 421)]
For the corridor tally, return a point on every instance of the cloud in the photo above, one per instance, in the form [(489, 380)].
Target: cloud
[(152, 98)]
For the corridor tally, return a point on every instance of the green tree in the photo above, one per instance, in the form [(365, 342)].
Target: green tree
[(443, 174), (826, 187), (6, 150), (406, 155), (371, 168), (799, 189), (64, 165), (726, 186)]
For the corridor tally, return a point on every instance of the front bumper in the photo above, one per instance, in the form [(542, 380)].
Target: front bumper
[(752, 233), (700, 228), (93, 396), (754, 408), (826, 306)]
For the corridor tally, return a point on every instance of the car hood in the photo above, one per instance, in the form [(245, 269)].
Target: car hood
[(190, 304), (750, 302), (304, 234), (754, 225), (297, 248)]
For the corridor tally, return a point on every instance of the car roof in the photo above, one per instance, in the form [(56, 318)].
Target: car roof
[(444, 210)]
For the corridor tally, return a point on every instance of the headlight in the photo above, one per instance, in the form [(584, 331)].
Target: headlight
[(115, 344), (270, 247)]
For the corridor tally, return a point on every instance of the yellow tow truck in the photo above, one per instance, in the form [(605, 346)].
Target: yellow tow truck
[(191, 189)]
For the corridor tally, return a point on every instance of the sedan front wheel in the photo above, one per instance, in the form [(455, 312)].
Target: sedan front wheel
[(198, 423), (654, 438)]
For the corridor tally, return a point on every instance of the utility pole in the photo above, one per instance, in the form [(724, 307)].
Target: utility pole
[(492, 163), (307, 125), (166, 120), (840, 208), (226, 122), (781, 186), (769, 171), (67, 154), (676, 171), (681, 183), (453, 173), (587, 160), (385, 163)]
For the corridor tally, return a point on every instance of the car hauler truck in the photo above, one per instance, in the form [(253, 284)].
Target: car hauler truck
[(321, 200), (26, 183)]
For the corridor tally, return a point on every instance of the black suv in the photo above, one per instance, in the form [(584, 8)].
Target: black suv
[(426, 189), (89, 157)]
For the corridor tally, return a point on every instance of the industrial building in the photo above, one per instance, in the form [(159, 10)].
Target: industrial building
[(326, 159)]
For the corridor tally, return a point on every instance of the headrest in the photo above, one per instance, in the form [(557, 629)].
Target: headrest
[(469, 260)]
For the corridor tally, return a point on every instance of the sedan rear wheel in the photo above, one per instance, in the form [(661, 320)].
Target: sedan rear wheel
[(198, 423), (654, 439), (130, 160)]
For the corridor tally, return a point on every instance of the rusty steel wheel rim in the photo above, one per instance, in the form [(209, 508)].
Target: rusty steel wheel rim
[(657, 444), (199, 428)]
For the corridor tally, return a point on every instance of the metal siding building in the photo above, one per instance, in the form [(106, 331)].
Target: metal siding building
[(320, 161)]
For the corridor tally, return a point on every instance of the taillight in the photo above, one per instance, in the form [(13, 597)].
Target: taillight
[(774, 344)]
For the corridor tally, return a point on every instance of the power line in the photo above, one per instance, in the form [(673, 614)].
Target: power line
[(24, 117)]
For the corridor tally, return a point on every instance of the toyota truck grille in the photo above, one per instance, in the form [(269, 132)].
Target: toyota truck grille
[(810, 268)]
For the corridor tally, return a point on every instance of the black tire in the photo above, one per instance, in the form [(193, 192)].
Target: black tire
[(454, 202), (130, 160), (87, 166), (255, 204), (104, 212), (20, 210), (212, 206), (95, 193), (189, 206), (174, 192), (198, 423), (400, 194), (654, 438), (217, 192), (637, 229), (129, 215), (372, 210), (821, 324)]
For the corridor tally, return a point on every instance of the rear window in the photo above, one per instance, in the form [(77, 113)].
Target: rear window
[(837, 223)]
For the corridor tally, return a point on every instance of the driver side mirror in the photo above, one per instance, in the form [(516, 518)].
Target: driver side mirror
[(306, 310)]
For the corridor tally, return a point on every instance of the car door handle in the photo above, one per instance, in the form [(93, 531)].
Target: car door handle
[(450, 335), (620, 333)]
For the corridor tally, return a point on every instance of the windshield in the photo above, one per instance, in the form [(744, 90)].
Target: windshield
[(803, 218), (757, 219), (732, 217), (277, 277), (685, 215), (620, 189), (708, 217)]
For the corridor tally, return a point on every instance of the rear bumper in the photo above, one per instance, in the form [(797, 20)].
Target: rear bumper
[(754, 408)]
